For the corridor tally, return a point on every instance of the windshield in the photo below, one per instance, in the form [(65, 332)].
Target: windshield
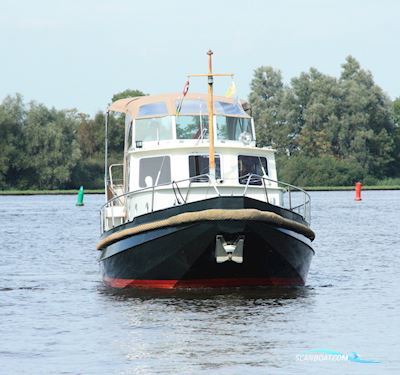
[(191, 127), (153, 129)]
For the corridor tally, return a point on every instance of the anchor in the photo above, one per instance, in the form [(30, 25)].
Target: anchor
[(229, 251)]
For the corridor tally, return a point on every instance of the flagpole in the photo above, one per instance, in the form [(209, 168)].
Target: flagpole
[(211, 151), (210, 75)]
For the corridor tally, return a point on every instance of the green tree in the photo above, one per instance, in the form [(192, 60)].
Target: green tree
[(394, 170), (50, 148), (12, 116), (47, 149), (89, 170), (317, 106), (396, 112), (128, 93), (367, 128), (320, 117), (325, 170), (266, 97)]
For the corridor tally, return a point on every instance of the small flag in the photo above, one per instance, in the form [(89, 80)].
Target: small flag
[(184, 92), (231, 92), (186, 88)]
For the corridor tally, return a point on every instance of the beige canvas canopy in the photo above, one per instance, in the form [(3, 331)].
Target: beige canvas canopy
[(121, 104), (132, 106)]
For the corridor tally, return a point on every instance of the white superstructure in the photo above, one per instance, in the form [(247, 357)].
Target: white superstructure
[(166, 157)]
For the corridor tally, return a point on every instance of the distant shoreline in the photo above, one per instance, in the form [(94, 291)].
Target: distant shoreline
[(350, 188), (49, 192), (101, 191)]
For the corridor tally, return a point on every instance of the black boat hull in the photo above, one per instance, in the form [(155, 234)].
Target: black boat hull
[(185, 255)]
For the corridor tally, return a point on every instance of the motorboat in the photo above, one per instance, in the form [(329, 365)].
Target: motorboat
[(198, 204)]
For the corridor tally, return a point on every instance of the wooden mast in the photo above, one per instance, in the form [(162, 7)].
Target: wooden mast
[(210, 75)]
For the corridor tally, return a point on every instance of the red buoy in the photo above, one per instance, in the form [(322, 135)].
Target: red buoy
[(358, 191)]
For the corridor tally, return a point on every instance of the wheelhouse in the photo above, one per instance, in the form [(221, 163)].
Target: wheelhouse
[(156, 120)]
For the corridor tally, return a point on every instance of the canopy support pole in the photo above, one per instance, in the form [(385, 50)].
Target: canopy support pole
[(106, 154)]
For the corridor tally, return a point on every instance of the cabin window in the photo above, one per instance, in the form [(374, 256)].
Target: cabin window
[(248, 165), (153, 129), (153, 109), (199, 164), (229, 108), (191, 127), (233, 128), (154, 171)]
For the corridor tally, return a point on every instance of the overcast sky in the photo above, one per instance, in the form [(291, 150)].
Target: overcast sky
[(78, 53)]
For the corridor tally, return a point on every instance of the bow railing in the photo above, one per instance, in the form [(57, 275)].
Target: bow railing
[(123, 208)]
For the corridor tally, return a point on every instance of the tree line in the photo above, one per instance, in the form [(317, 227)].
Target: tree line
[(326, 130), (44, 148)]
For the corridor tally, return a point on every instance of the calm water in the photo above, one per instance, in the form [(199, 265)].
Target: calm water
[(57, 318)]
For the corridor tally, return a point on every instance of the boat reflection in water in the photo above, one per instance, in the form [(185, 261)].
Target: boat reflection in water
[(199, 205), (193, 298)]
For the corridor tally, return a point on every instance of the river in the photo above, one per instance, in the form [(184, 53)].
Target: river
[(56, 317)]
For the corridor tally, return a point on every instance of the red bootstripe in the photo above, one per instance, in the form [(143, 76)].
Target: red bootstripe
[(202, 283)]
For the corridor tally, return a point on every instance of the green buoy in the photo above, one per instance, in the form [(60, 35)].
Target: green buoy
[(80, 197)]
